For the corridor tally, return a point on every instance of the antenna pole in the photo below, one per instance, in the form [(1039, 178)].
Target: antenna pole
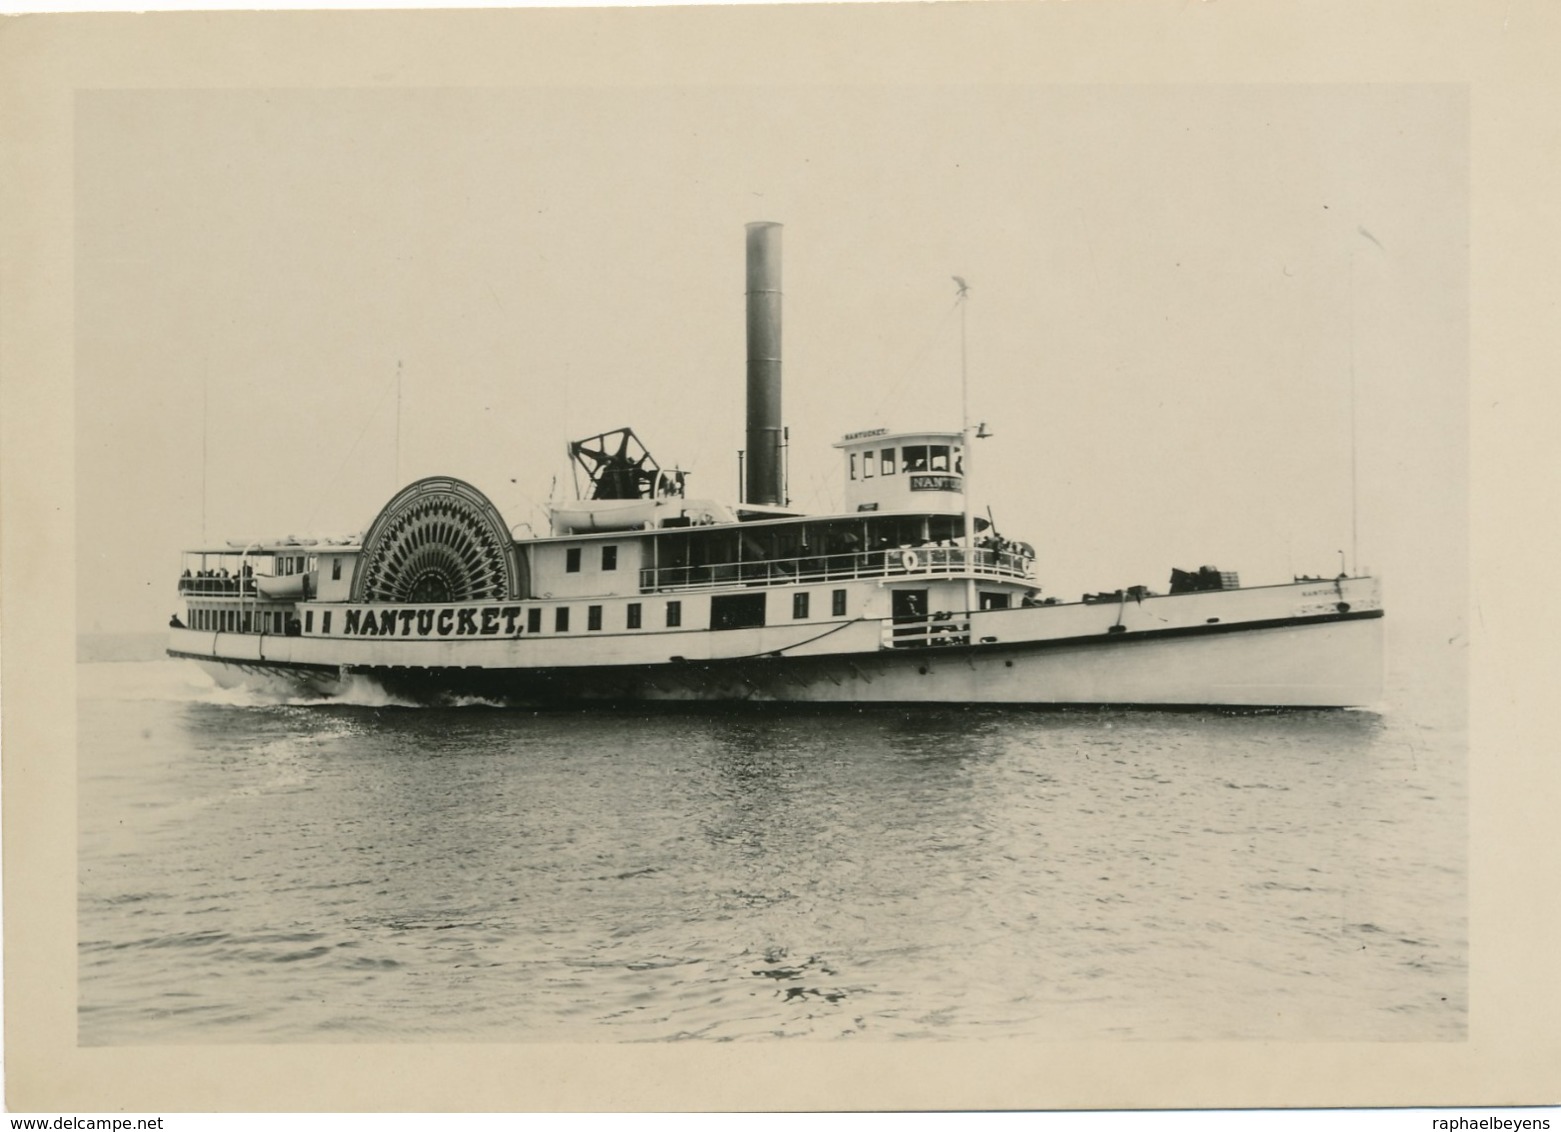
[(965, 444), (205, 428), (1354, 492)]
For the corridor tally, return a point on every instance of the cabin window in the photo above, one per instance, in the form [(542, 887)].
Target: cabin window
[(561, 619), (799, 606), (572, 560), (915, 458), (246, 622), (887, 467), (737, 611), (909, 605), (867, 465), (325, 621), (853, 465), (994, 601), (593, 617), (837, 603), (674, 614), (335, 569), (634, 615), (533, 620), (309, 621), (940, 457), (609, 558)]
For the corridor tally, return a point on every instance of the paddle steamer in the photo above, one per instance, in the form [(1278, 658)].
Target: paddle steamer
[(640, 592)]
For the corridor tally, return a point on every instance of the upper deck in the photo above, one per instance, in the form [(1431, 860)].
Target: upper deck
[(833, 549)]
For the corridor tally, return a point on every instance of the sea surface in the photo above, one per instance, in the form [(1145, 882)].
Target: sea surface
[(272, 869)]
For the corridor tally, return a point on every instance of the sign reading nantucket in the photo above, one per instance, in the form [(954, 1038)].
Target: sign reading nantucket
[(937, 483), (439, 621)]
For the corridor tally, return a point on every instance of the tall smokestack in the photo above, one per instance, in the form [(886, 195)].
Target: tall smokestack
[(764, 364)]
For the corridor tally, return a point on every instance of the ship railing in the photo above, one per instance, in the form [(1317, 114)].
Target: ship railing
[(936, 631), (895, 562), (216, 586)]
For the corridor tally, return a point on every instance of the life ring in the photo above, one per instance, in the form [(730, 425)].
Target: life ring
[(909, 560)]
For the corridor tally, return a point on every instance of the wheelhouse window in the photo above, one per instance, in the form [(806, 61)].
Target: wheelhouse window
[(940, 457), (572, 560), (887, 465), (853, 465), (561, 619), (799, 606), (915, 457), (609, 558), (867, 465)]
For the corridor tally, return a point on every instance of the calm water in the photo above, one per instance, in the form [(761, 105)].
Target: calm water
[(255, 870)]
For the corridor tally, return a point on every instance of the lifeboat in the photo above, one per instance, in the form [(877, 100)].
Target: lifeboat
[(288, 586), (583, 516)]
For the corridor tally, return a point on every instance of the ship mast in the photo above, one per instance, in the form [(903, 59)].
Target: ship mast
[(1354, 445), (964, 432)]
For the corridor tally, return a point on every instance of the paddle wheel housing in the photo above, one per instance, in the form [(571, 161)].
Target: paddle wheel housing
[(438, 540)]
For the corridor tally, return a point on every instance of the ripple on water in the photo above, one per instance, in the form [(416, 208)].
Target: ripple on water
[(286, 872)]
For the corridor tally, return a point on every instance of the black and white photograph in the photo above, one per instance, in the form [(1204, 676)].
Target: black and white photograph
[(900, 563)]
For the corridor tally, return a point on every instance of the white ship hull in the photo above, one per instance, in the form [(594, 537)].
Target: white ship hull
[(1302, 645)]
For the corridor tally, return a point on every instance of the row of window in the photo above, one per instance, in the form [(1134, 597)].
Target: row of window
[(913, 458), (572, 559), (235, 621), (749, 615)]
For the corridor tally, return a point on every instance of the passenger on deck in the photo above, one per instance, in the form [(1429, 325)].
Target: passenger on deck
[(1030, 598), (174, 622)]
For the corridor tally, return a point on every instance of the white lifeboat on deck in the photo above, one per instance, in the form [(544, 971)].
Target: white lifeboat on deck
[(583, 516), (285, 587)]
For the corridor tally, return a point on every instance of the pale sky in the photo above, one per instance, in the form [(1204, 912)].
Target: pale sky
[(1168, 285)]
